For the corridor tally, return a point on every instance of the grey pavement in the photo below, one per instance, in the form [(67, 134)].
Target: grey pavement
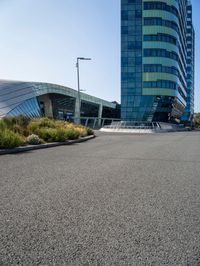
[(114, 200)]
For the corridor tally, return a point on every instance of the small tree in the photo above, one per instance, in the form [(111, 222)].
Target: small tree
[(197, 119)]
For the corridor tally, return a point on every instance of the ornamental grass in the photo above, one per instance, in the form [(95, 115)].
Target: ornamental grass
[(10, 139), (20, 130)]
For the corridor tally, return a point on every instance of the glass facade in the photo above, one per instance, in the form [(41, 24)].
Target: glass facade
[(154, 62), (35, 99), (188, 114), (29, 107)]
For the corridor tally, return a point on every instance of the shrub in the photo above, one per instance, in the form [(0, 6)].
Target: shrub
[(15, 129), (89, 131), (197, 119), (9, 121), (33, 139), (23, 121), (20, 129), (60, 124), (9, 139), (2, 125), (81, 131), (36, 124), (61, 135), (48, 134), (17, 124), (46, 122), (33, 127), (71, 133)]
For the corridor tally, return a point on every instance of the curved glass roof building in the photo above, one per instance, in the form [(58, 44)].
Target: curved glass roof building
[(154, 60), (35, 99)]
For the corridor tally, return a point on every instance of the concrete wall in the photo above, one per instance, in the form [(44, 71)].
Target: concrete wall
[(48, 110)]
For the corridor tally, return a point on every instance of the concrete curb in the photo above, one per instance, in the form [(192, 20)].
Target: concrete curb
[(44, 146)]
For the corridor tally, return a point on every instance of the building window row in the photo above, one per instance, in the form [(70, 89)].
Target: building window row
[(160, 6), (164, 69), (131, 30), (134, 1), (131, 61), (130, 15), (164, 53), (161, 69), (159, 21), (156, 21), (127, 76), (161, 37), (134, 45), (166, 84), (160, 53)]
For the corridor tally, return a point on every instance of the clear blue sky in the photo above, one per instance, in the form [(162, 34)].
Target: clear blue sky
[(40, 40)]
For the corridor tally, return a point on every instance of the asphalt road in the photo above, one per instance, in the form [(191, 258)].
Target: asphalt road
[(115, 200)]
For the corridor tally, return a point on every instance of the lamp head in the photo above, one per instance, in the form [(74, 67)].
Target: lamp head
[(83, 58)]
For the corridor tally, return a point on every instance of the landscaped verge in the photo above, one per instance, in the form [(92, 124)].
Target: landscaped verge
[(22, 132)]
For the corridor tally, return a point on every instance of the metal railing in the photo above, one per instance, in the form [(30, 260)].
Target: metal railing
[(114, 123), (133, 125), (94, 122)]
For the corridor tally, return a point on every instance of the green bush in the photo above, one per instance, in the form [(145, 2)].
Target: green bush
[(36, 124), (47, 134), (71, 133), (61, 135), (46, 122), (60, 123), (81, 130), (33, 127), (13, 131), (89, 131), (58, 135), (20, 130), (17, 124), (2, 125), (23, 121), (9, 121), (197, 119), (9, 139)]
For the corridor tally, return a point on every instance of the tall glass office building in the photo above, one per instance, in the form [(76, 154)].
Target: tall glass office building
[(157, 60), (188, 114)]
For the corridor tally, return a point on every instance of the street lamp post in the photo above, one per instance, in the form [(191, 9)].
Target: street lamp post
[(79, 90)]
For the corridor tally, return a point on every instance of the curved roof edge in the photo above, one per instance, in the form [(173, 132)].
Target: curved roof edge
[(14, 93)]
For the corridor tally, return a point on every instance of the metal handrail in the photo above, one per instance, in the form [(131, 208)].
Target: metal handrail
[(115, 123)]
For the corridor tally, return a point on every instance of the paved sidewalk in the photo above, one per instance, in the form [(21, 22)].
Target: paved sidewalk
[(114, 200)]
